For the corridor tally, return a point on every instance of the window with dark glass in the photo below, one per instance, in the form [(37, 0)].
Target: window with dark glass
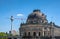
[(28, 33), (31, 21), (39, 33), (34, 33), (44, 33), (25, 34)]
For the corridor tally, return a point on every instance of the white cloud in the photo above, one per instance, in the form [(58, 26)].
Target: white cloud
[(20, 15)]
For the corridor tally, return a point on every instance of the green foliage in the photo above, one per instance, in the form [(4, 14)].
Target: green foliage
[(2, 34)]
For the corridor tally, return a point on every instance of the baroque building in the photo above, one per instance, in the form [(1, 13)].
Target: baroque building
[(37, 26)]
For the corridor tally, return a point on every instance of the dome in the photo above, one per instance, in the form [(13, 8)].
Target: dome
[(37, 10), (36, 17)]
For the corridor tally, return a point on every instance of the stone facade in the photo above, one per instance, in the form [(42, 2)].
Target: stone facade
[(36, 26)]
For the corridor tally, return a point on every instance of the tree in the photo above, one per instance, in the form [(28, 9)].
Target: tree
[(2, 34)]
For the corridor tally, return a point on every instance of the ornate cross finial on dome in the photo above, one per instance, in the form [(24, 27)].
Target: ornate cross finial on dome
[(36, 10)]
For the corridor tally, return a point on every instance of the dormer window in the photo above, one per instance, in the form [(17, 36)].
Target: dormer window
[(42, 14)]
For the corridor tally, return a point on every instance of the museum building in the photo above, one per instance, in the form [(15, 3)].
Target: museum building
[(36, 26)]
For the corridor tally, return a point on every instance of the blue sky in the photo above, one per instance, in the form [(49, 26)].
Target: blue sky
[(8, 8)]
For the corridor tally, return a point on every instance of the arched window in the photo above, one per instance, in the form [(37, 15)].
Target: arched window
[(31, 21), (28, 33), (39, 33), (25, 34), (34, 33), (44, 33)]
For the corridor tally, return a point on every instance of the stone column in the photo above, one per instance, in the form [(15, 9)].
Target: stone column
[(43, 31)]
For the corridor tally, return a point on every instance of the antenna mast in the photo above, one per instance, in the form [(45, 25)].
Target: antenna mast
[(11, 23)]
